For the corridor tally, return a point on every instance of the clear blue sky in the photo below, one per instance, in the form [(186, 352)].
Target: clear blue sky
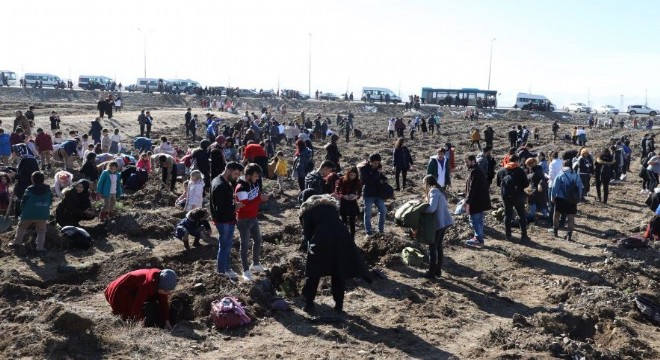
[(566, 50)]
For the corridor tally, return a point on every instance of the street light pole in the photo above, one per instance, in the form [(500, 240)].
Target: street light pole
[(490, 63), (309, 75), (144, 32)]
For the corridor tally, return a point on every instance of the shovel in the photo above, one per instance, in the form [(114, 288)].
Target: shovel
[(5, 221)]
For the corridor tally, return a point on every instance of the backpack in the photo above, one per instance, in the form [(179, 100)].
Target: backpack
[(228, 313), (78, 237), (409, 214), (572, 192), (509, 186), (412, 257)]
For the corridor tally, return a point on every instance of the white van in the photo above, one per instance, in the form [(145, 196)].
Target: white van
[(94, 82), (143, 84), (373, 94), (48, 80), (523, 101), (7, 78), (182, 85)]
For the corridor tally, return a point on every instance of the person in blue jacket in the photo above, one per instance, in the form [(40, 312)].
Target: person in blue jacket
[(109, 186), (35, 205), (195, 224), (95, 130), (66, 151), (5, 147), (142, 144)]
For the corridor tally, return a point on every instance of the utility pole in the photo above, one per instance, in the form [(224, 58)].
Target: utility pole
[(309, 76), (589, 96), (621, 104), (646, 97), (490, 62)]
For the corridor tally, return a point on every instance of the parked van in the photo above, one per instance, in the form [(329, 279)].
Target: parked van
[(373, 94), (94, 82), (533, 102), (47, 80), (7, 78), (147, 84)]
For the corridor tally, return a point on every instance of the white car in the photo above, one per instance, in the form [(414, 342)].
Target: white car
[(577, 107), (642, 109), (606, 109)]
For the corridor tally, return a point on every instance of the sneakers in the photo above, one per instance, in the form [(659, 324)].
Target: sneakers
[(257, 268), (247, 275), (231, 274), (474, 242)]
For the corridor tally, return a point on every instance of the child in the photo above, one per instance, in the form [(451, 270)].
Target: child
[(90, 172), (412, 128), (166, 147), (95, 130), (115, 145), (109, 186), (145, 162), (536, 134), (105, 141), (44, 143), (63, 179), (181, 201), (196, 224), (36, 204), (57, 140), (97, 149), (5, 195), (281, 170), (84, 143), (90, 149), (195, 191), (5, 147)]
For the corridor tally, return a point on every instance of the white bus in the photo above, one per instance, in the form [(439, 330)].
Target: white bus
[(7, 78), (536, 102), (47, 80)]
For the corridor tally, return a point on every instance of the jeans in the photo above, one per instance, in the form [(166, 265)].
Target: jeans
[(531, 215), (247, 228), (225, 238), (436, 252), (382, 211), (477, 224)]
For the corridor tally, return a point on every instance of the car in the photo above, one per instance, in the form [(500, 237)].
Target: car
[(577, 107), (642, 109), (267, 94), (606, 109), (247, 93), (131, 88), (328, 96)]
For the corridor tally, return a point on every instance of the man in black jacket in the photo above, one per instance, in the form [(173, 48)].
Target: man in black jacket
[(489, 134), (513, 137), (223, 211), (477, 200), (316, 179), (372, 178), (201, 158), (512, 181), (188, 118), (142, 120)]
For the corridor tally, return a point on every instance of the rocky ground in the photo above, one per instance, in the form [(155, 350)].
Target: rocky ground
[(546, 299)]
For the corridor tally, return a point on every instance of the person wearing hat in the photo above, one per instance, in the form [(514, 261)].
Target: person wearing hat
[(143, 295)]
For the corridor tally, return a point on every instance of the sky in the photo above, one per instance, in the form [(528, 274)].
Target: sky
[(570, 51)]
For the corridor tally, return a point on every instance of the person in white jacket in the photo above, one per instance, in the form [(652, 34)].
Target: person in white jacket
[(195, 191), (63, 179)]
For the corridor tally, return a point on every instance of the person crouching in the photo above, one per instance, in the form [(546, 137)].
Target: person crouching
[(196, 224), (143, 295)]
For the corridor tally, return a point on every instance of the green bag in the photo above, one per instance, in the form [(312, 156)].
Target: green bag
[(412, 257)]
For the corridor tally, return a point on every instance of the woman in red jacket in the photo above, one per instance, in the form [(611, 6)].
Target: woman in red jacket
[(143, 295)]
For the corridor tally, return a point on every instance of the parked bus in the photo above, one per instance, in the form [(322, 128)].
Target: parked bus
[(460, 97), (533, 102), (7, 78), (94, 82), (47, 80), (372, 94)]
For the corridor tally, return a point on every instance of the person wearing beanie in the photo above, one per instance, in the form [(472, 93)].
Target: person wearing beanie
[(143, 295)]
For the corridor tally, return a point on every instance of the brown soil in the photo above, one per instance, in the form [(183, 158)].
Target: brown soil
[(546, 299)]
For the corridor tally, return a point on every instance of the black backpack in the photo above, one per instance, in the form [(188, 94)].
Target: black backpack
[(78, 237), (509, 186), (572, 193)]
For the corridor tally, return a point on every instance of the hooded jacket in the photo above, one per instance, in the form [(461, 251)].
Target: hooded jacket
[(128, 293), (36, 202), (432, 169), (331, 250), (70, 210), (519, 178)]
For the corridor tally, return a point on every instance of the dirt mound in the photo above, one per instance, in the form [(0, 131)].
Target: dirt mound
[(381, 248), (151, 223)]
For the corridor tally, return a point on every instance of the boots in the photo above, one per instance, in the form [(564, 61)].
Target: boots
[(569, 236), (555, 231), (432, 272)]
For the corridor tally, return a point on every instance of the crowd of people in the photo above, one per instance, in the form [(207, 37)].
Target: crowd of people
[(224, 179)]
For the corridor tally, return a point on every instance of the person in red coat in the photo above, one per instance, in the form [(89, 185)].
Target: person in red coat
[(143, 295), (44, 144)]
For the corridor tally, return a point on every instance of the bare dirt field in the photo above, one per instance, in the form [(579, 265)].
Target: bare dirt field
[(546, 299)]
